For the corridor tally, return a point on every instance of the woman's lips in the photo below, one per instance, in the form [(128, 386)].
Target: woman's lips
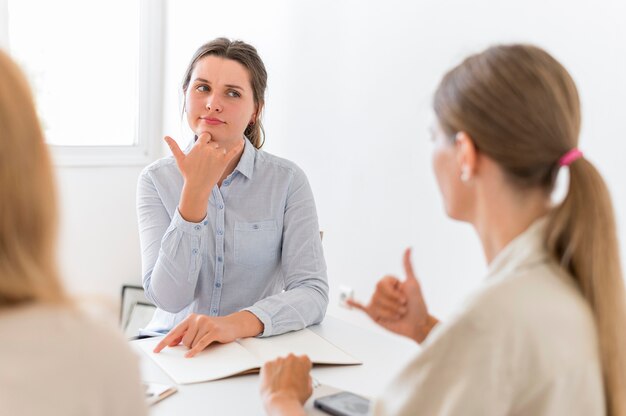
[(211, 121)]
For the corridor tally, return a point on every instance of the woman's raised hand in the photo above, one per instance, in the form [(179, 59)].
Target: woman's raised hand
[(204, 165), (399, 306), (202, 168)]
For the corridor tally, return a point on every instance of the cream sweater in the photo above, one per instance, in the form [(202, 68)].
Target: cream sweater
[(55, 361), (525, 344)]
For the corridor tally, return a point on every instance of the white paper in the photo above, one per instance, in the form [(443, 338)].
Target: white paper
[(215, 362), (304, 342), (224, 360)]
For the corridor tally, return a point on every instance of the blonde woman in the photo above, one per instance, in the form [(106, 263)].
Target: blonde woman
[(544, 335), (53, 360)]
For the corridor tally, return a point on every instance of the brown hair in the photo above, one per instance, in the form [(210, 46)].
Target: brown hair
[(247, 56), (521, 108), (28, 211)]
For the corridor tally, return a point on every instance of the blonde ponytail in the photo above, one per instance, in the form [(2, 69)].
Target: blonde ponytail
[(581, 235)]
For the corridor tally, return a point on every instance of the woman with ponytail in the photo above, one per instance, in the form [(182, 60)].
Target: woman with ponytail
[(229, 234), (545, 334)]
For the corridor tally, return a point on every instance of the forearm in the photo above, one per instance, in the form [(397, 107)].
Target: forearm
[(172, 260), (170, 289), (170, 266)]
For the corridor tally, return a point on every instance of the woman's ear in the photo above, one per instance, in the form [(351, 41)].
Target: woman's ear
[(466, 155), (255, 114)]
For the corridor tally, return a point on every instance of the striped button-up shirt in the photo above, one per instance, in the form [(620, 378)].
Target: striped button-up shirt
[(257, 249)]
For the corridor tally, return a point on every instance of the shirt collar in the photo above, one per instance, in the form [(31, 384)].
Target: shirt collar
[(525, 249), (246, 163)]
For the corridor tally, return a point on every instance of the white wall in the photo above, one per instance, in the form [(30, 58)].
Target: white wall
[(350, 84), (99, 238)]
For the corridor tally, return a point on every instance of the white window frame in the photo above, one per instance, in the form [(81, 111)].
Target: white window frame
[(149, 102)]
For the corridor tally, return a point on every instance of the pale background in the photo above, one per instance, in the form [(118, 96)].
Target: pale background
[(350, 86)]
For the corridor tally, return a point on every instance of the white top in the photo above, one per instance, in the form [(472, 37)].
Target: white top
[(55, 361), (525, 344)]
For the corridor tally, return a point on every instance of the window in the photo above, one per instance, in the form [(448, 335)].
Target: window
[(95, 71)]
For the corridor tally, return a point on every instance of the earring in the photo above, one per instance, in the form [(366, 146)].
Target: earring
[(465, 174)]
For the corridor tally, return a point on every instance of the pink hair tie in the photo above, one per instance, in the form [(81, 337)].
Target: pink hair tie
[(570, 157)]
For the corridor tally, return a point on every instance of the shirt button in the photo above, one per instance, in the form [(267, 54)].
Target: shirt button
[(219, 258), (220, 232), (194, 251), (218, 284), (197, 227), (221, 206), (255, 226), (214, 310), (226, 183)]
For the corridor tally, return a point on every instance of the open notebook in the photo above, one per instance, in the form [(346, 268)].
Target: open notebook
[(242, 356)]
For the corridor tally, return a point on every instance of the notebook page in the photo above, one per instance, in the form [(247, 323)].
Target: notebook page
[(305, 341), (215, 362)]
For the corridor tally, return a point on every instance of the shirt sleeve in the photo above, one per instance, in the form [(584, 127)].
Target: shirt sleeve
[(170, 249), (305, 298), (459, 371)]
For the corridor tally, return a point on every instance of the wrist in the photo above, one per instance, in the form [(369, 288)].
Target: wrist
[(197, 188), (422, 331), (193, 203), (283, 403), (247, 324)]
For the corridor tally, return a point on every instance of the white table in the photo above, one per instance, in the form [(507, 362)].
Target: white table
[(383, 355)]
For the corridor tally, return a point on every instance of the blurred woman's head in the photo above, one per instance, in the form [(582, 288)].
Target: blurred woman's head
[(518, 106), (224, 87), (28, 210)]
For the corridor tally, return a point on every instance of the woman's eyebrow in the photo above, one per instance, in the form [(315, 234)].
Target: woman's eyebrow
[(237, 87), (227, 85)]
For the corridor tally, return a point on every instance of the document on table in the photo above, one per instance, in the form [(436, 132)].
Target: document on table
[(242, 356)]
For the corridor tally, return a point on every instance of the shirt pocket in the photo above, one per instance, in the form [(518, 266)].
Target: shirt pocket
[(256, 243)]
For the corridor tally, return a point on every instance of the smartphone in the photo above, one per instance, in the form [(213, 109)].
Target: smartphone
[(343, 404)]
